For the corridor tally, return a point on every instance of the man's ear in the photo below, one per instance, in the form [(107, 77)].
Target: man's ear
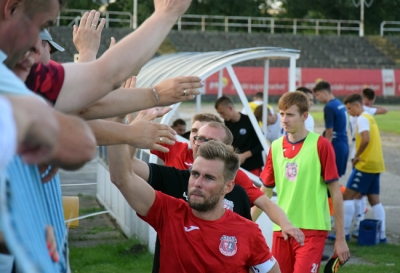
[(10, 7), (305, 116), (228, 187)]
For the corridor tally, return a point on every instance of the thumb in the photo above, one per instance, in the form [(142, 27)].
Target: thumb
[(75, 30), (285, 236)]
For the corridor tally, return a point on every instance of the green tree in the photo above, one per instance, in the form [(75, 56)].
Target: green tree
[(84, 4)]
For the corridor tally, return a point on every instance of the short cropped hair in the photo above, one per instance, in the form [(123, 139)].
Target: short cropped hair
[(224, 101), (322, 86), (178, 122), (259, 95), (353, 98), (305, 90), (368, 93), (228, 139), (294, 98), (32, 7), (206, 117), (212, 150)]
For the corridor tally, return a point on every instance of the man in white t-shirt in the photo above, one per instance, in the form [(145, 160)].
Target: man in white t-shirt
[(360, 202), (309, 123)]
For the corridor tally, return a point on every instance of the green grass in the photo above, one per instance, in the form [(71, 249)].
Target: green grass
[(110, 258), (382, 258), (96, 230), (389, 122), (89, 210)]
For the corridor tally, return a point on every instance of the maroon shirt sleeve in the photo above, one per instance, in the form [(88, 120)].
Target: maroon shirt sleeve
[(327, 158), (46, 80), (244, 181), (267, 176)]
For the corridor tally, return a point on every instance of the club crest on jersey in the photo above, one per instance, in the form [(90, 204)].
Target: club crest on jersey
[(228, 245), (227, 204), (291, 171)]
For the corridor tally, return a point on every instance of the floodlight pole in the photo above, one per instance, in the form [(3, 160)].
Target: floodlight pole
[(361, 18), (134, 14)]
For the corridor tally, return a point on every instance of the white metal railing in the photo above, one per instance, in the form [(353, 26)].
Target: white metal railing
[(74, 15), (272, 24), (390, 28)]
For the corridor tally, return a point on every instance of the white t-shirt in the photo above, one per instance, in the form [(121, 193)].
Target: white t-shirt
[(354, 123), (274, 131), (8, 135), (309, 123)]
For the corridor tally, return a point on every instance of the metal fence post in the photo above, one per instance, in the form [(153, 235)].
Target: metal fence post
[(203, 23), (180, 24), (226, 24), (294, 26), (338, 28), (316, 27), (272, 23), (107, 20), (382, 26), (249, 25)]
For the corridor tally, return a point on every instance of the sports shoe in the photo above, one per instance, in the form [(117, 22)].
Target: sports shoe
[(332, 266), (383, 241)]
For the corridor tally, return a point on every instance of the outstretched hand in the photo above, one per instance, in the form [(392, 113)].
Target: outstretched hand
[(87, 36), (171, 8), (178, 89), (152, 135)]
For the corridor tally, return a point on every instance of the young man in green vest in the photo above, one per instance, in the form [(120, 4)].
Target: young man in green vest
[(368, 164), (301, 165)]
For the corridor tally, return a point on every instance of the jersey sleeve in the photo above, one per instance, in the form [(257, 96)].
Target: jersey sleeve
[(252, 191), (161, 155), (46, 80), (327, 158), (370, 110), (329, 116), (267, 176), (260, 252), (362, 124), (162, 207)]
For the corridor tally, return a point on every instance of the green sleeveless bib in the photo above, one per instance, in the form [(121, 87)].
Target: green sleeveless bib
[(301, 191)]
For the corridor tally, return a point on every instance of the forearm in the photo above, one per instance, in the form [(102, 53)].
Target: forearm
[(113, 67), (329, 134), (120, 102), (361, 149), (108, 132), (76, 143), (337, 200), (274, 212), (137, 193)]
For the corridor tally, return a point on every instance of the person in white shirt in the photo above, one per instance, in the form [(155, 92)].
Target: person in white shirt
[(360, 202), (309, 123)]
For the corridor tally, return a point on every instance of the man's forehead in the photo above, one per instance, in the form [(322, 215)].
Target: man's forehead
[(210, 132), (208, 166)]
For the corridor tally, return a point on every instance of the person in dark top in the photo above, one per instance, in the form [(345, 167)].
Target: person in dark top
[(245, 139), (336, 124)]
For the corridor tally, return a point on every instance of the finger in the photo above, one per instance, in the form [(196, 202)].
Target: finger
[(133, 82), (127, 83), (84, 19), (147, 115), (184, 79), (160, 148), (161, 112), (95, 21), (112, 42), (285, 236), (42, 169), (75, 30), (90, 19), (101, 25), (167, 136)]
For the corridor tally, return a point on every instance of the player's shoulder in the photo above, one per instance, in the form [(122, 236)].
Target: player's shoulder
[(323, 142)]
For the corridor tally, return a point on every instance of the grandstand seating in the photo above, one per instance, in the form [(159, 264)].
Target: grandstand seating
[(316, 51)]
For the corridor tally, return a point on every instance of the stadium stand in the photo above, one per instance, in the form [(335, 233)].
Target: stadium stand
[(316, 51)]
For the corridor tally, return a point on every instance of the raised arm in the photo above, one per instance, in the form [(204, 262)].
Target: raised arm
[(91, 81), (136, 191), (127, 100)]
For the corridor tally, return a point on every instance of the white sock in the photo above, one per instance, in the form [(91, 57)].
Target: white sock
[(379, 214), (348, 207), (363, 207), (357, 209)]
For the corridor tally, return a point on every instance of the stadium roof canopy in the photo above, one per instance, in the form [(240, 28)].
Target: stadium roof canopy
[(205, 64)]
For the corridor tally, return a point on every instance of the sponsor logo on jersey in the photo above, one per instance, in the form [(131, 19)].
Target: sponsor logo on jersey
[(228, 245), (227, 204), (189, 229), (291, 171), (184, 195), (242, 131)]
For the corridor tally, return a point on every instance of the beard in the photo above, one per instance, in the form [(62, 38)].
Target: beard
[(208, 203)]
